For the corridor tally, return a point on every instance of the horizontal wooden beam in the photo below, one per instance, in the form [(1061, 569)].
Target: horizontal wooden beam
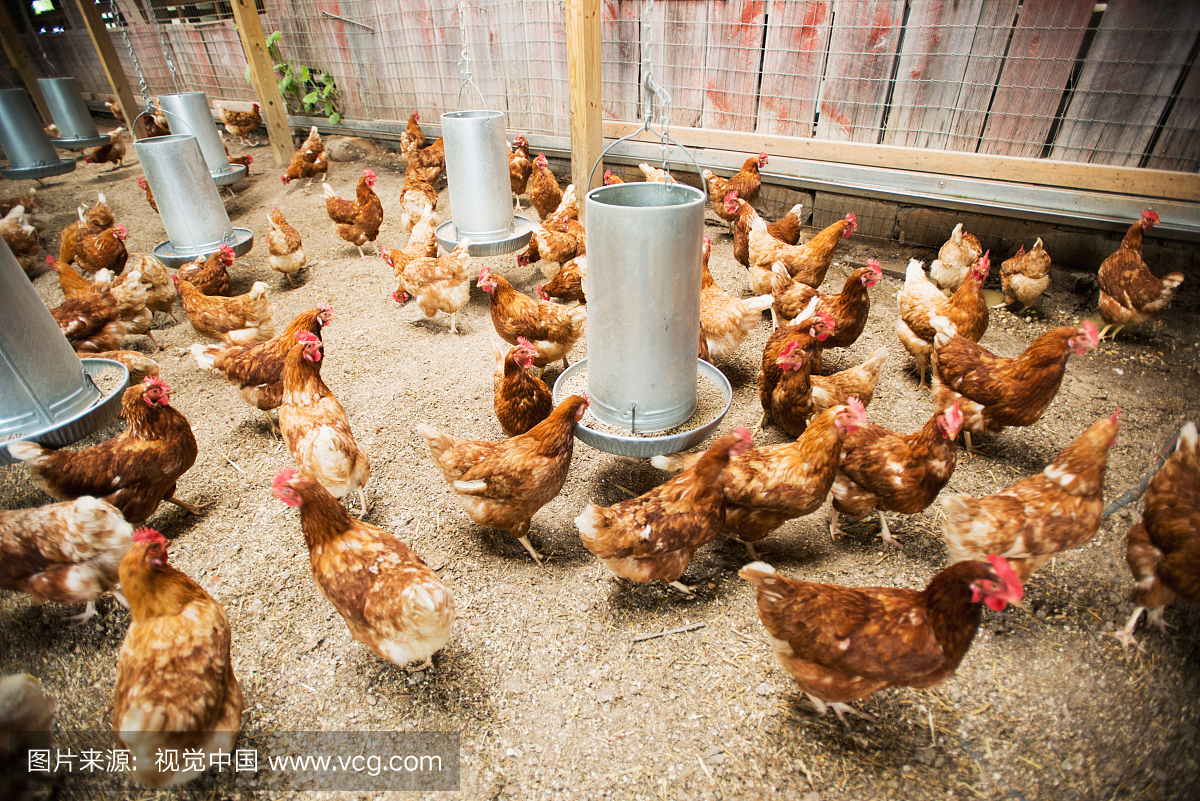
[(1038, 172)]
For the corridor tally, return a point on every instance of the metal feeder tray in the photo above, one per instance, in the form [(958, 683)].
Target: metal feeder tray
[(235, 173), (87, 422), (39, 170), (645, 447), (448, 237), (82, 142), (165, 252)]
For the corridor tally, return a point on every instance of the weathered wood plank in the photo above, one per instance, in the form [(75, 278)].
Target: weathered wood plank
[(677, 57), (862, 51), (108, 58), (732, 61), (271, 105), (933, 61), (1045, 42), (1042, 172), (1178, 146), (620, 56), (796, 46), (1127, 80), (992, 32), (583, 49), (20, 62)]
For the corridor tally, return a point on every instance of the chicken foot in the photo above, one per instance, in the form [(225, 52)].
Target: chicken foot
[(184, 505), (839, 709), (1104, 330), (884, 534), (685, 589), (537, 557), (362, 503), (271, 425), (87, 614), (1125, 635)]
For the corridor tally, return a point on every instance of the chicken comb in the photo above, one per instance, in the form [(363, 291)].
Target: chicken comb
[(249, 159), (142, 181), (853, 226), (50, 261), (281, 487), (522, 342), (857, 408), (155, 381), (325, 313), (1012, 582), (306, 337), (827, 320), (1091, 335), (874, 266), (228, 251), (732, 196), (983, 266), (368, 173), (745, 433), (1149, 215), (120, 231), (953, 417), (145, 534), (1113, 419), (707, 241)]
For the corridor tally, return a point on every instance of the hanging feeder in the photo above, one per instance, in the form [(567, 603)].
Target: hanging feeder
[(477, 176), (47, 393), (191, 108), (188, 202), (76, 130), (24, 140), (644, 274)]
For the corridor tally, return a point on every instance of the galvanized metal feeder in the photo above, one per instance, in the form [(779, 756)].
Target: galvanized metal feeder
[(191, 108), (644, 275), (24, 140), (477, 177), (76, 129), (188, 202), (47, 393)]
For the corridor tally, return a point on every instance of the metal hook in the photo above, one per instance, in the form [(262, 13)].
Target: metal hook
[(464, 60)]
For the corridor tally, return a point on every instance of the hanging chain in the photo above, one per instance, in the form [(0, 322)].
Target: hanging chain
[(37, 37), (166, 48), (653, 89), (464, 58), (133, 59)]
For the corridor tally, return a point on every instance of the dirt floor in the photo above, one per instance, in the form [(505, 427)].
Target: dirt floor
[(545, 679)]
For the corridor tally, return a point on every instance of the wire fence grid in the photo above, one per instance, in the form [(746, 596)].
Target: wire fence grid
[(1073, 80)]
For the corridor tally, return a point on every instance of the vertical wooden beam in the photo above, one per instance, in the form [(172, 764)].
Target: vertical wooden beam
[(16, 56), (583, 75), (270, 101), (108, 59)]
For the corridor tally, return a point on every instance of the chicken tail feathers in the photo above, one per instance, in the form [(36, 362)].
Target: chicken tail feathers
[(760, 303), (769, 584), (915, 271), (675, 462), (439, 443), (206, 355), (26, 451)]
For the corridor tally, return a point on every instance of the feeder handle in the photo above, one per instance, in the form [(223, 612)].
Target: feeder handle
[(664, 138), (164, 111)]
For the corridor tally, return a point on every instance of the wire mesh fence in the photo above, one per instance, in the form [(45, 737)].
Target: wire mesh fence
[(1072, 80)]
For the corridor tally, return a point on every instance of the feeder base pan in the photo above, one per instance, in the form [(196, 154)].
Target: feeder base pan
[(81, 142), (448, 236), (235, 173), (645, 447), (243, 240), (39, 170), (80, 425)]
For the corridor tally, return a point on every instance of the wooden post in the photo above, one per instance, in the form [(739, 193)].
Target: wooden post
[(109, 60), (583, 75), (16, 55), (270, 102)]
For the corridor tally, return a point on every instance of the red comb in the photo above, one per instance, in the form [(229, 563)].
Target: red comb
[(148, 535), (522, 342), (1150, 215), (1113, 419), (857, 407), (1011, 580), (155, 381), (282, 478), (50, 261), (744, 433), (306, 337)]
